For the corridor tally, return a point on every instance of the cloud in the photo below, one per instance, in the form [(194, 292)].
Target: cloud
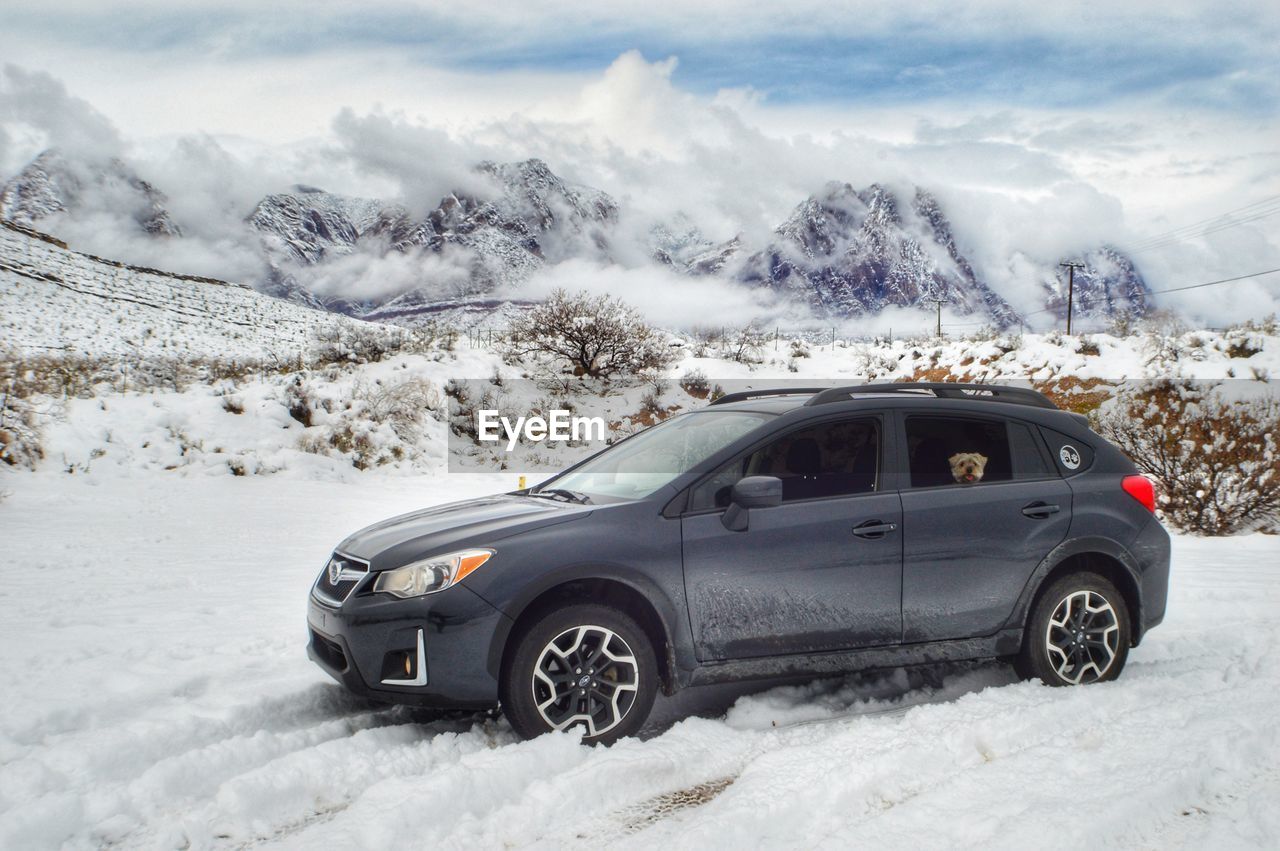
[(666, 298), (1046, 183), (38, 107)]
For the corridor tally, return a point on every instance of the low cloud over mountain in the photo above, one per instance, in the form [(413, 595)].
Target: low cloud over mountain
[(841, 254)]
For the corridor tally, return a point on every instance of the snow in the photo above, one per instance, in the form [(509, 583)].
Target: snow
[(53, 300), (157, 695)]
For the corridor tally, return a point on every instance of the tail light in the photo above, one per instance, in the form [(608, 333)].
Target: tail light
[(1141, 489)]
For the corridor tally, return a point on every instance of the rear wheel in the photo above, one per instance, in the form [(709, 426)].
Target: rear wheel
[(587, 666), (1078, 633)]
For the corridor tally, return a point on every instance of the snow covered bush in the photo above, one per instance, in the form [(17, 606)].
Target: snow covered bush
[(381, 422), (353, 342), (1216, 459), (594, 336), (744, 345)]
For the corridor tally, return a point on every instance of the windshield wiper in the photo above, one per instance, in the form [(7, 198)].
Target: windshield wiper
[(562, 494)]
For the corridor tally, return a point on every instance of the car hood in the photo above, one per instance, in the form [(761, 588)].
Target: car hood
[(471, 523)]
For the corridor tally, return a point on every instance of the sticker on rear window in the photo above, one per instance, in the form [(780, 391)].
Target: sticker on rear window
[(1070, 457)]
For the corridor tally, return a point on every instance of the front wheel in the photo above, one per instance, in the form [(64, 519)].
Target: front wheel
[(1078, 633), (581, 665)]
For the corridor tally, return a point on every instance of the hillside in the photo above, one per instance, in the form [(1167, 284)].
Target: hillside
[(53, 299)]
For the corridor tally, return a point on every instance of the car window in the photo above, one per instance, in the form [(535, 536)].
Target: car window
[(645, 462), (830, 459), (967, 451), (1029, 460)]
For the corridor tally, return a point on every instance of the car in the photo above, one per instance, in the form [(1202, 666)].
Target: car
[(770, 534)]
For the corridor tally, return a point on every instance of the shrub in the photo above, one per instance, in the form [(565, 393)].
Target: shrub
[(1216, 460), (400, 404), (298, 399), (349, 341), (743, 345), (695, 383), (594, 336)]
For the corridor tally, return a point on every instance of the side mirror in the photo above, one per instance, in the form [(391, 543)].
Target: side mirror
[(748, 493)]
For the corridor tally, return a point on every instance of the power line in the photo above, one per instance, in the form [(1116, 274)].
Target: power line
[(1179, 289), (1142, 248), (1211, 220), (1215, 283)]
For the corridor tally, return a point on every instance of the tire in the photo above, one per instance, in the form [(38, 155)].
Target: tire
[(1078, 633), (550, 682)]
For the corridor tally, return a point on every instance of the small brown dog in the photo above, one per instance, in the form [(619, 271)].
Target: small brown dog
[(967, 467)]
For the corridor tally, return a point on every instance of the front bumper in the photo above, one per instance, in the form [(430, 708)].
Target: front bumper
[(452, 630)]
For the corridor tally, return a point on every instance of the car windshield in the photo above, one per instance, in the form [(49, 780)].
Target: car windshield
[(642, 464)]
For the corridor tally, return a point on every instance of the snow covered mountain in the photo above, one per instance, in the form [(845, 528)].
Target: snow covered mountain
[(53, 185), (841, 253), (847, 253), (311, 224), (530, 218)]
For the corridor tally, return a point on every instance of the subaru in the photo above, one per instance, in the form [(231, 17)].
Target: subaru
[(771, 534)]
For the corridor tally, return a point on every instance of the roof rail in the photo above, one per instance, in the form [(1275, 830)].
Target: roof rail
[(744, 395), (942, 390)]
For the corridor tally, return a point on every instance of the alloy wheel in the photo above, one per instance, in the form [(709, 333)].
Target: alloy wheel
[(1082, 638), (586, 675)]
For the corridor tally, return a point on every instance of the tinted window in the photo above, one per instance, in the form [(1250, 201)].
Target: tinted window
[(825, 460), (1029, 461), (963, 451)]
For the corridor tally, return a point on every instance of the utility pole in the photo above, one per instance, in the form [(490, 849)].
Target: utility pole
[(939, 302), (1071, 289)]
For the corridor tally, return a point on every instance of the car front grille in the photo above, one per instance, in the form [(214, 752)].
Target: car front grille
[(341, 576)]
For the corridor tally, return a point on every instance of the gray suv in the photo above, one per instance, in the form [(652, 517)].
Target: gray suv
[(771, 534)]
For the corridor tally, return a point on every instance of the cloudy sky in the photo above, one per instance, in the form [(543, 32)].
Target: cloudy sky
[(1043, 129)]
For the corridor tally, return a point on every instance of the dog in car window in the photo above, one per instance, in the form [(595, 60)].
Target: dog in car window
[(967, 467)]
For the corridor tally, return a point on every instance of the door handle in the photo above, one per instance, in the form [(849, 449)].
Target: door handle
[(874, 529), (1040, 510)]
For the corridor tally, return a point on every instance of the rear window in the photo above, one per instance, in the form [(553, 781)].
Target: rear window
[(969, 451)]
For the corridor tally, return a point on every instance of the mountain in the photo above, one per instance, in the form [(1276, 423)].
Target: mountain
[(841, 253), (848, 252), (496, 239), (311, 224), (1108, 286), (52, 186)]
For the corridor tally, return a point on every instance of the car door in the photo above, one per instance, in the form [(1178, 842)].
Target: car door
[(969, 548), (802, 577)]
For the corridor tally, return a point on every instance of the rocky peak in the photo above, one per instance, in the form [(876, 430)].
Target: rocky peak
[(51, 185), (311, 224)]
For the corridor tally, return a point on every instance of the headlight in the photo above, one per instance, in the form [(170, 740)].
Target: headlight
[(430, 575)]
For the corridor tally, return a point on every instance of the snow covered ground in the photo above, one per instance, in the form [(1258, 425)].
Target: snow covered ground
[(156, 694), (54, 300)]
